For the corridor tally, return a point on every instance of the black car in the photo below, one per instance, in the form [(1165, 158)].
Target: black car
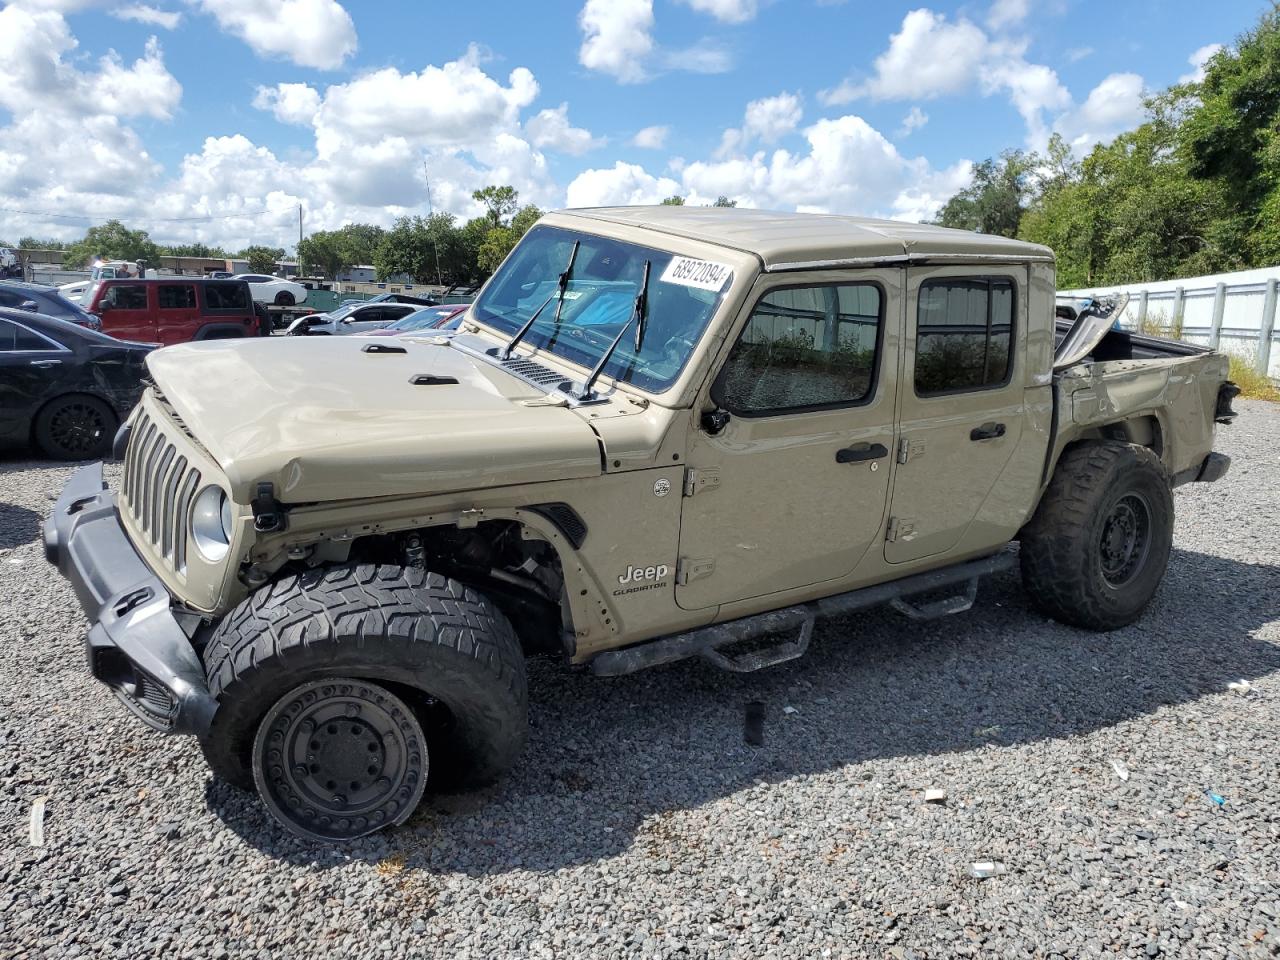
[(63, 387), (45, 300)]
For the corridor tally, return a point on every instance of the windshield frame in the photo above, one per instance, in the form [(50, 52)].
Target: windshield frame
[(662, 249)]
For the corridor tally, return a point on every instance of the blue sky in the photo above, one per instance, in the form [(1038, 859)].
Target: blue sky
[(214, 119)]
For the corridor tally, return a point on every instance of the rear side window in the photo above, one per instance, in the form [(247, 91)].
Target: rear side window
[(14, 337), (126, 296), (177, 296), (964, 334), (226, 296), (805, 348)]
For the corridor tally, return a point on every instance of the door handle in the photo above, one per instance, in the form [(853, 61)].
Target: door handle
[(862, 452), (45, 363), (988, 431)]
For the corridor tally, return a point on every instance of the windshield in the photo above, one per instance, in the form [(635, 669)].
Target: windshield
[(422, 319), (599, 300)]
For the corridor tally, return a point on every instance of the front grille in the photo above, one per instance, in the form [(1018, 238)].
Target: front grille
[(157, 490)]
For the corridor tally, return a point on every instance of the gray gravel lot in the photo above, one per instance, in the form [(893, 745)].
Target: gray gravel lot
[(640, 824)]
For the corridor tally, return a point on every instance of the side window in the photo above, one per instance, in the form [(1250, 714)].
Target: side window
[(964, 334), (14, 337), (805, 348), (177, 296), (226, 296), (126, 297), (10, 299)]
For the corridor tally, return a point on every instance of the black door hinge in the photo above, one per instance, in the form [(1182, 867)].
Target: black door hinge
[(268, 513)]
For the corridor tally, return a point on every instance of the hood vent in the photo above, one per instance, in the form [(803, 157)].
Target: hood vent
[(533, 372), (430, 380)]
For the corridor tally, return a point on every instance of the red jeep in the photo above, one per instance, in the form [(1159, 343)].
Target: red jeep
[(177, 310)]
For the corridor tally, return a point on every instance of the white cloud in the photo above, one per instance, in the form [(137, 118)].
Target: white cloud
[(310, 33), (1199, 60), (705, 56), (617, 37), (651, 138), (913, 121), (1112, 107), (928, 57), (552, 129), (848, 167), (931, 57), (624, 184), (1076, 54), (1007, 13), (295, 103), (771, 118), (727, 11), (141, 13)]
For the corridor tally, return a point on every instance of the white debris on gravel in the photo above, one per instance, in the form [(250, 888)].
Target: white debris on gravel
[(788, 850)]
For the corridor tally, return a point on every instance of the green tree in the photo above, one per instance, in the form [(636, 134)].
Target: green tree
[(36, 243), (676, 201), (1230, 136), (723, 201), (261, 259), (494, 249), (194, 250), (525, 218), (501, 203), (111, 241), (996, 199), (324, 252)]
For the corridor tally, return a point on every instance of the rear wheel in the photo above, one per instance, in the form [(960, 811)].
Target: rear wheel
[(75, 427), (284, 299), (1096, 550)]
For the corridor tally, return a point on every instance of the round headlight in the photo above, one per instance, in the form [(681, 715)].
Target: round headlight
[(211, 523)]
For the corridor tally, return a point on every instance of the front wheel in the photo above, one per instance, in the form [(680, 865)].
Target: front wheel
[(353, 675), (335, 759), (1097, 548)]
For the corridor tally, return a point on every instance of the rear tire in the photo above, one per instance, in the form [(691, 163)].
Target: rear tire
[(1097, 547), (75, 427), (285, 299), (435, 646)]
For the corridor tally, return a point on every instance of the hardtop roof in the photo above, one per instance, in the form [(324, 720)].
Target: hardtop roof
[(785, 240)]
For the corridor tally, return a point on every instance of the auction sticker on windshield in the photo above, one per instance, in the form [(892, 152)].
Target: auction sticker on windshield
[(702, 274)]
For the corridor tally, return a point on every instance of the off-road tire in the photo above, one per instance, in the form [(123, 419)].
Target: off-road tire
[(439, 644), (1071, 565), (75, 427)]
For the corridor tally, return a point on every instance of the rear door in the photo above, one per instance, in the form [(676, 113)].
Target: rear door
[(176, 312), (128, 311), (961, 403), (792, 491)]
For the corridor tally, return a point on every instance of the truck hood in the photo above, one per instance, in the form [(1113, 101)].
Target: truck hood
[(325, 419)]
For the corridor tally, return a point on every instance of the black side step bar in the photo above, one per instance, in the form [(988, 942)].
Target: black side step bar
[(709, 642)]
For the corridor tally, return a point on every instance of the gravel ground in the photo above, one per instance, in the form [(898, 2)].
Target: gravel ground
[(640, 824)]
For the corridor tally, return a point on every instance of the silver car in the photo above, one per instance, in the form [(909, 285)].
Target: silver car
[(340, 323)]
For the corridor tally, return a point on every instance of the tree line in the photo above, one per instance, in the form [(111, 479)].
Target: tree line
[(1194, 190)]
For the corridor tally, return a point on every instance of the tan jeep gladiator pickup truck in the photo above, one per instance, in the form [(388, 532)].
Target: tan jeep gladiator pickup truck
[(660, 432)]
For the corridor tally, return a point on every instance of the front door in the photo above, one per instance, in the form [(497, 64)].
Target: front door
[(177, 312), (792, 490), (127, 314), (961, 403)]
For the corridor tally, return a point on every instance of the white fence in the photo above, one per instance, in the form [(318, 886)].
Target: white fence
[(1232, 312)]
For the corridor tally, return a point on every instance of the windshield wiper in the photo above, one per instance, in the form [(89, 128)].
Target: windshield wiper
[(563, 285), (638, 314)]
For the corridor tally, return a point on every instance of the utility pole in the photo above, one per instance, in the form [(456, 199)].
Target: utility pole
[(426, 176)]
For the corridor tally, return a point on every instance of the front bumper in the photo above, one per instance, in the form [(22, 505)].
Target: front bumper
[(135, 644)]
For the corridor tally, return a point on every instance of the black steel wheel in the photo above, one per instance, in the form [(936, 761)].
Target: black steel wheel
[(75, 427), (1125, 540), (339, 758)]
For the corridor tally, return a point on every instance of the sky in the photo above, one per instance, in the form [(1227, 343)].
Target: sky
[(214, 120)]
